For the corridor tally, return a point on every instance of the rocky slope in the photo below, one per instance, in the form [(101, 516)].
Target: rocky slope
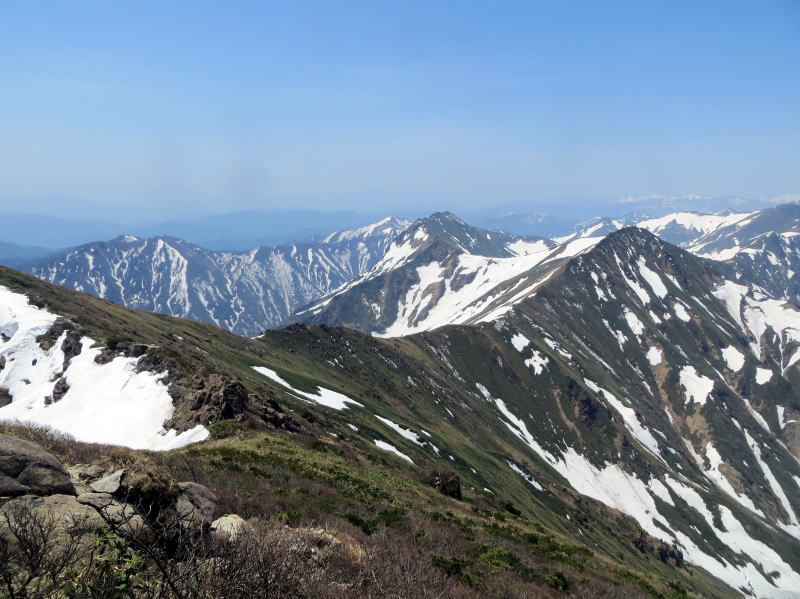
[(635, 400), (442, 271), (244, 292), (372, 431), (648, 381)]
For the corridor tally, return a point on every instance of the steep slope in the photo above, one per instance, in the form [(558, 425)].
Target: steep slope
[(244, 292), (759, 247), (639, 376), (442, 271), (674, 356), (371, 419)]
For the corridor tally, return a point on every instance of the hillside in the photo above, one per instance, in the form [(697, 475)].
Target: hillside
[(352, 425)]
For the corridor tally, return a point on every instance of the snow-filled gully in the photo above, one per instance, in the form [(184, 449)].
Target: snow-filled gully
[(105, 403)]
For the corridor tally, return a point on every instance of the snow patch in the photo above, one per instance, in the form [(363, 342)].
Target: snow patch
[(392, 449), (697, 386), (323, 396)]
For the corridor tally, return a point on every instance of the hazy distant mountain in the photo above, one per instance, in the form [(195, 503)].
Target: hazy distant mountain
[(245, 292), (36, 230), (12, 254), (526, 223), (229, 231), (246, 230)]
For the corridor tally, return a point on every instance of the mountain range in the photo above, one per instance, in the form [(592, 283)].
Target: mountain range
[(431, 276), (617, 391), (245, 292), (250, 291)]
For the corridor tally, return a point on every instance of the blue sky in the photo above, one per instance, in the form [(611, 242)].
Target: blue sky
[(204, 107)]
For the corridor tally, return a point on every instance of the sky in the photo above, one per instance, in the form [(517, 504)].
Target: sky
[(163, 109)]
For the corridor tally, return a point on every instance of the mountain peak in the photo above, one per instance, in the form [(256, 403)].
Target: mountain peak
[(390, 225)]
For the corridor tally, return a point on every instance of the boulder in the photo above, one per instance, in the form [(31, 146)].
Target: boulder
[(196, 503), (83, 475), (446, 482), (28, 469), (121, 516), (56, 512), (109, 484), (229, 524)]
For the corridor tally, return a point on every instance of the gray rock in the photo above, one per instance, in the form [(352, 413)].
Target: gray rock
[(196, 502), (229, 523), (60, 511), (98, 501), (120, 515), (28, 469), (83, 475), (109, 484)]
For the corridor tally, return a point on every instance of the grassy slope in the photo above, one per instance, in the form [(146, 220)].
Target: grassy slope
[(348, 479)]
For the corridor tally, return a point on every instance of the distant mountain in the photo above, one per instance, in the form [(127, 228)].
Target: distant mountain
[(442, 271), (245, 292), (617, 393), (39, 230), (761, 247), (658, 205), (15, 255), (529, 224), (241, 231), (237, 231)]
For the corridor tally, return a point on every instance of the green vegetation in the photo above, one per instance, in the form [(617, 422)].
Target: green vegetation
[(508, 541)]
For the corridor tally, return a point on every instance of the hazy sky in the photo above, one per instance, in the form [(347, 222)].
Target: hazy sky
[(373, 106)]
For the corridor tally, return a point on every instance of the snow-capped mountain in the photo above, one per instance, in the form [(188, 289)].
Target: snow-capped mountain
[(760, 247), (623, 389), (700, 377), (638, 375), (245, 292), (442, 271)]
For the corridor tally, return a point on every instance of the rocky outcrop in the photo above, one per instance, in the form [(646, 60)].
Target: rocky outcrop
[(71, 346), (27, 469), (446, 482), (138, 500), (203, 399), (196, 503), (123, 348)]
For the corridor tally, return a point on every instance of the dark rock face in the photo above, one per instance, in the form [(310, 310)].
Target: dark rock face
[(60, 389), (71, 346), (446, 482), (207, 399), (27, 469), (125, 348), (663, 551), (5, 396)]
